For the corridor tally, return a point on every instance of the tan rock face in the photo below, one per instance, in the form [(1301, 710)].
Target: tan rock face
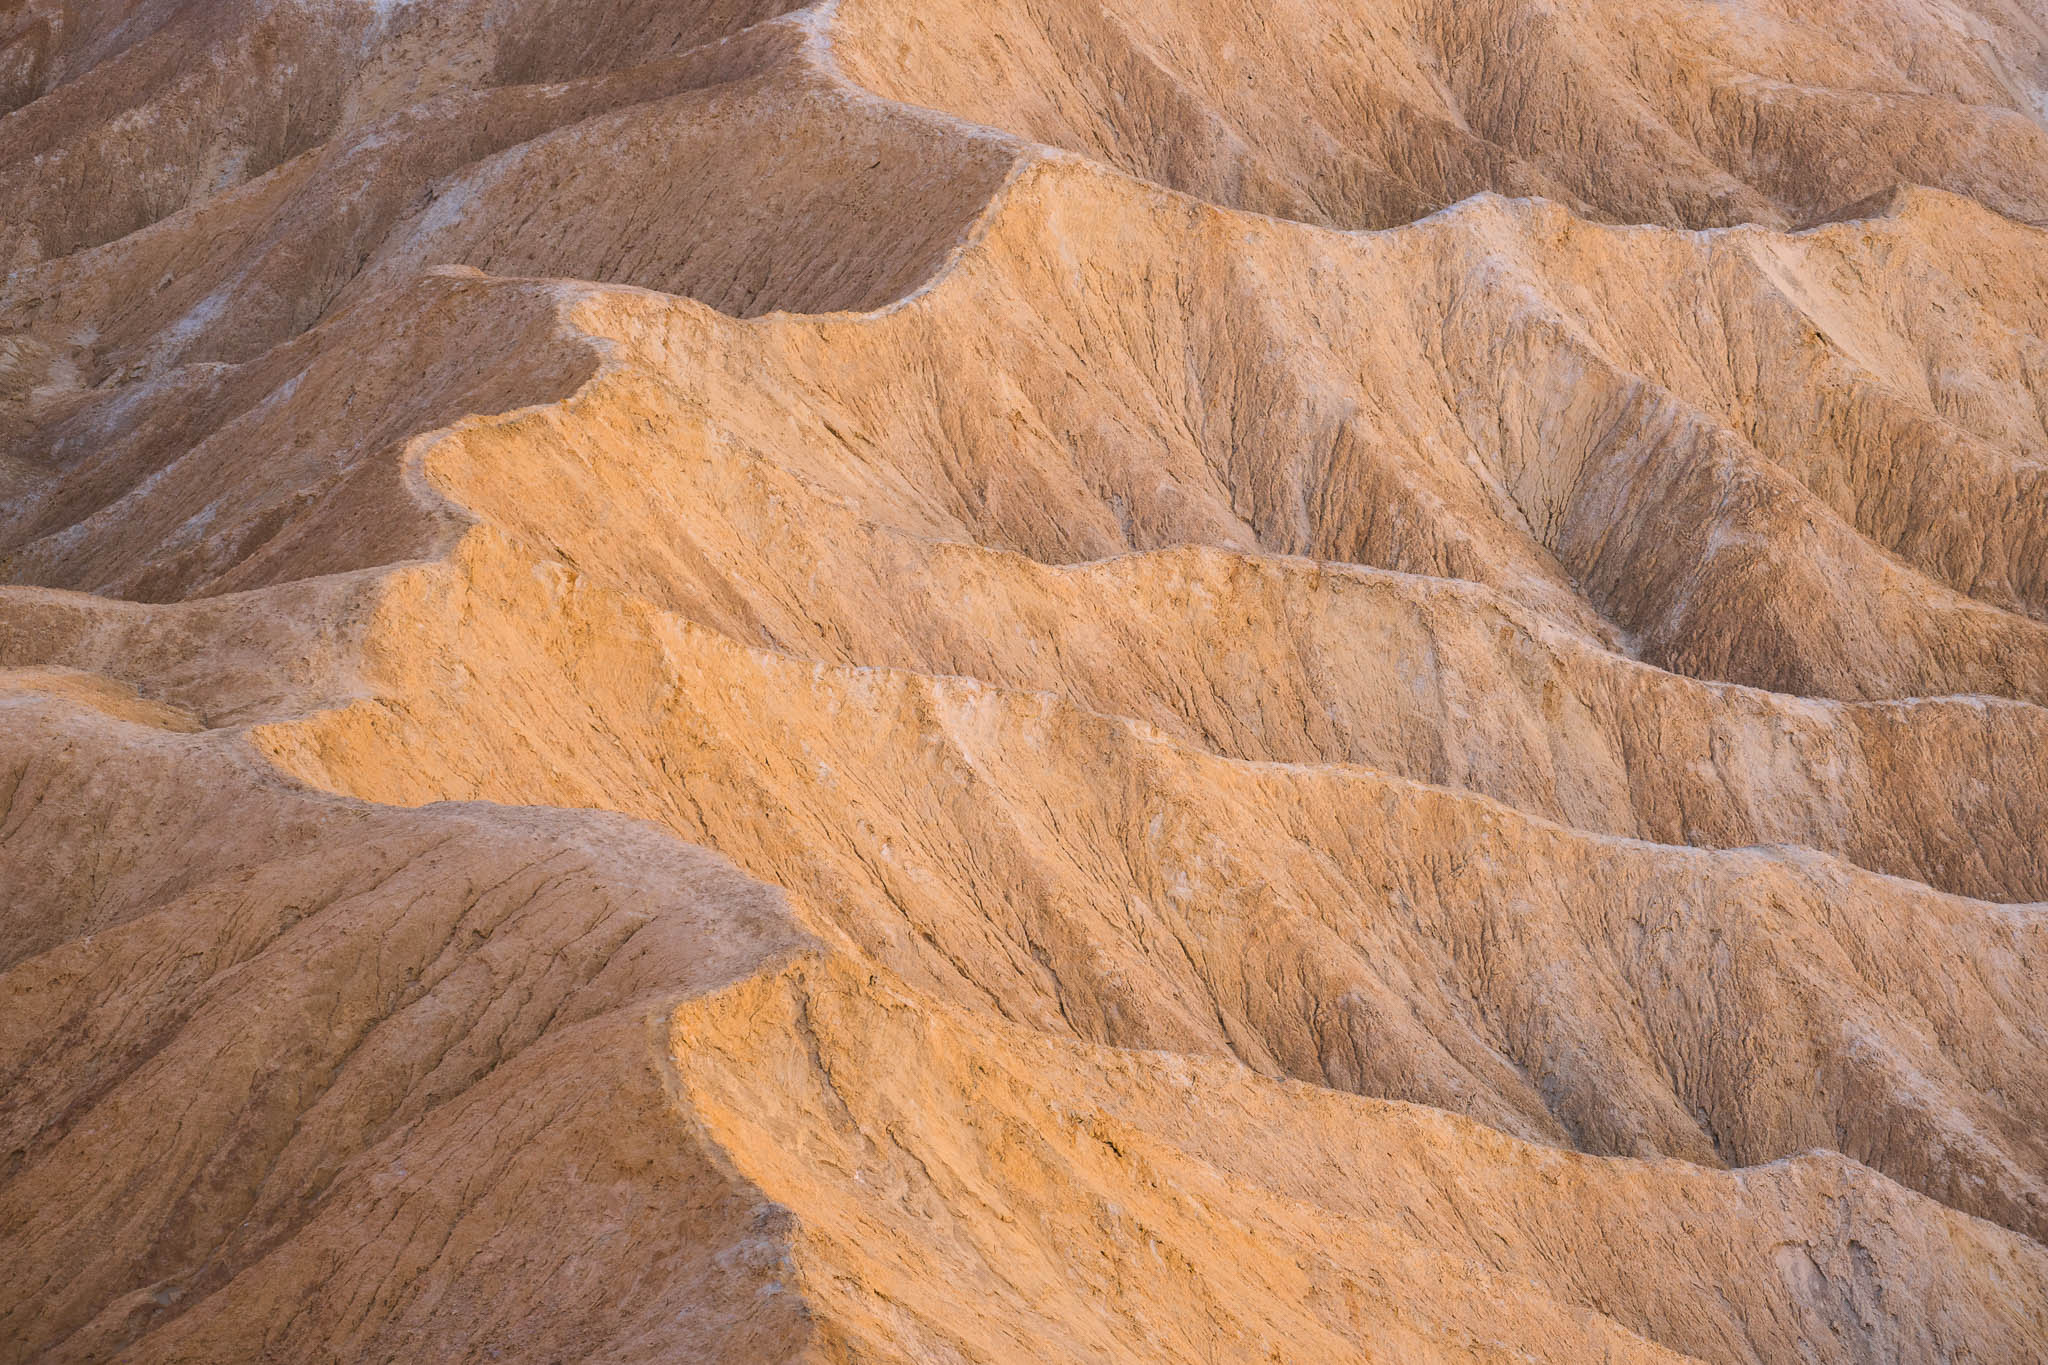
[(1045, 767)]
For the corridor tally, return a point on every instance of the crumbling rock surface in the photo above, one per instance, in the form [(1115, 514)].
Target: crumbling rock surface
[(1023, 681)]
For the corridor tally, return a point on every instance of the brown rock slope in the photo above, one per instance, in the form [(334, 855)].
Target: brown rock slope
[(1474, 790)]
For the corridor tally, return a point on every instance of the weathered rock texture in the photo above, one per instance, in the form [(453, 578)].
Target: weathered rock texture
[(1023, 681)]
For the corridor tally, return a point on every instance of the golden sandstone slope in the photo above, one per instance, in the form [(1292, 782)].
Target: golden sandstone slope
[(719, 681)]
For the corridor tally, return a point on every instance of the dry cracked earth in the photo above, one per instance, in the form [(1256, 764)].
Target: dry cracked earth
[(1023, 680)]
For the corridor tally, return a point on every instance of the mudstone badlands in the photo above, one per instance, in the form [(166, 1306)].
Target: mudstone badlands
[(1024, 681)]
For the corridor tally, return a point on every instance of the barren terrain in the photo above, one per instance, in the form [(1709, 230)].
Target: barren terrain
[(1023, 681)]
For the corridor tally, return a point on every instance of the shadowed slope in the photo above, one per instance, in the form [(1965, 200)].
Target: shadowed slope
[(150, 108), (303, 1062)]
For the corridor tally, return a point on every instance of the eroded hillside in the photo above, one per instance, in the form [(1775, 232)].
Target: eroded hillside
[(1024, 681)]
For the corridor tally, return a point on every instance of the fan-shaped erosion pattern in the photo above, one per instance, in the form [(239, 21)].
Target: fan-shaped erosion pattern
[(1023, 681)]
